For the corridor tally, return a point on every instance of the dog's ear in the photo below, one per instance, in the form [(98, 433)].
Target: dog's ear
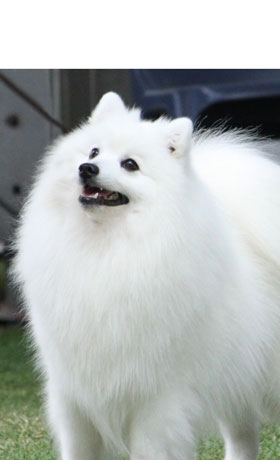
[(110, 103), (180, 136)]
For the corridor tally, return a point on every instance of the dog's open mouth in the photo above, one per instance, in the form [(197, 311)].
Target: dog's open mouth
[(100, 196)]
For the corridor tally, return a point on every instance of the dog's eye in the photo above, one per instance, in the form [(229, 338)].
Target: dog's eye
[(94, 152), (129, 165)]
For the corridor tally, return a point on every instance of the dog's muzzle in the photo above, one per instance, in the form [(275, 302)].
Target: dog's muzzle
[(93, 193)]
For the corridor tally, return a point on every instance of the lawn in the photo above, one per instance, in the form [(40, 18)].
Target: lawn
[(23, 433)]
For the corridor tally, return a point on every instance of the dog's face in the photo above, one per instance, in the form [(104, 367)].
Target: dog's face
[(122, 162), (116, 171)]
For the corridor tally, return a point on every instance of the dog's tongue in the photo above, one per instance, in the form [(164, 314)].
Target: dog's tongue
[(89, 191)]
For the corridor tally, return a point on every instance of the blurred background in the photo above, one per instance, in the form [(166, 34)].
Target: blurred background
[(36, 106)]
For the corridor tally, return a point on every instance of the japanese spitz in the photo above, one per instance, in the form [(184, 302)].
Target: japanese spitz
[(148, 258)]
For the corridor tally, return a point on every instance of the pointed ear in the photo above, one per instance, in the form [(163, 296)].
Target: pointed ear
[(110, 103), (180, 136)]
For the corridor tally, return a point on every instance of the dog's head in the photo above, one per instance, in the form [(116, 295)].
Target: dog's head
[(122, 162), (129, 158)]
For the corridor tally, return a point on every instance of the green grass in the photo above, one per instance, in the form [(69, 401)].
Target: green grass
[(23, 433)]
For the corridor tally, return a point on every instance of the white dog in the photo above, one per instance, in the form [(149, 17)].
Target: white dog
[(149, 262)]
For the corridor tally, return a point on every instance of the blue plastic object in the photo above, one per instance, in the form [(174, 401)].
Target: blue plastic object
[(192, 92)]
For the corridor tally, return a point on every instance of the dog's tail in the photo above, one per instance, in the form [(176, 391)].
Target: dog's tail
[(247, 181)]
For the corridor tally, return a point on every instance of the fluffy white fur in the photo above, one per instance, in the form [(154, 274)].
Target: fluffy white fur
[(157, 319)]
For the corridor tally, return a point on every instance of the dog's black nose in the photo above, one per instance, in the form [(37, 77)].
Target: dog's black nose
[(87, 170)]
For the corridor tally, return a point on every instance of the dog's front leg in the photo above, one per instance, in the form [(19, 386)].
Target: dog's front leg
[(74, 434)]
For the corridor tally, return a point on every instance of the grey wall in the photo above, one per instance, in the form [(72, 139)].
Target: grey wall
[(25, 132), (82, 89)]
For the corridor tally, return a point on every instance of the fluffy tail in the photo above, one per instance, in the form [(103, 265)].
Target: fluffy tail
[(247, 182)]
